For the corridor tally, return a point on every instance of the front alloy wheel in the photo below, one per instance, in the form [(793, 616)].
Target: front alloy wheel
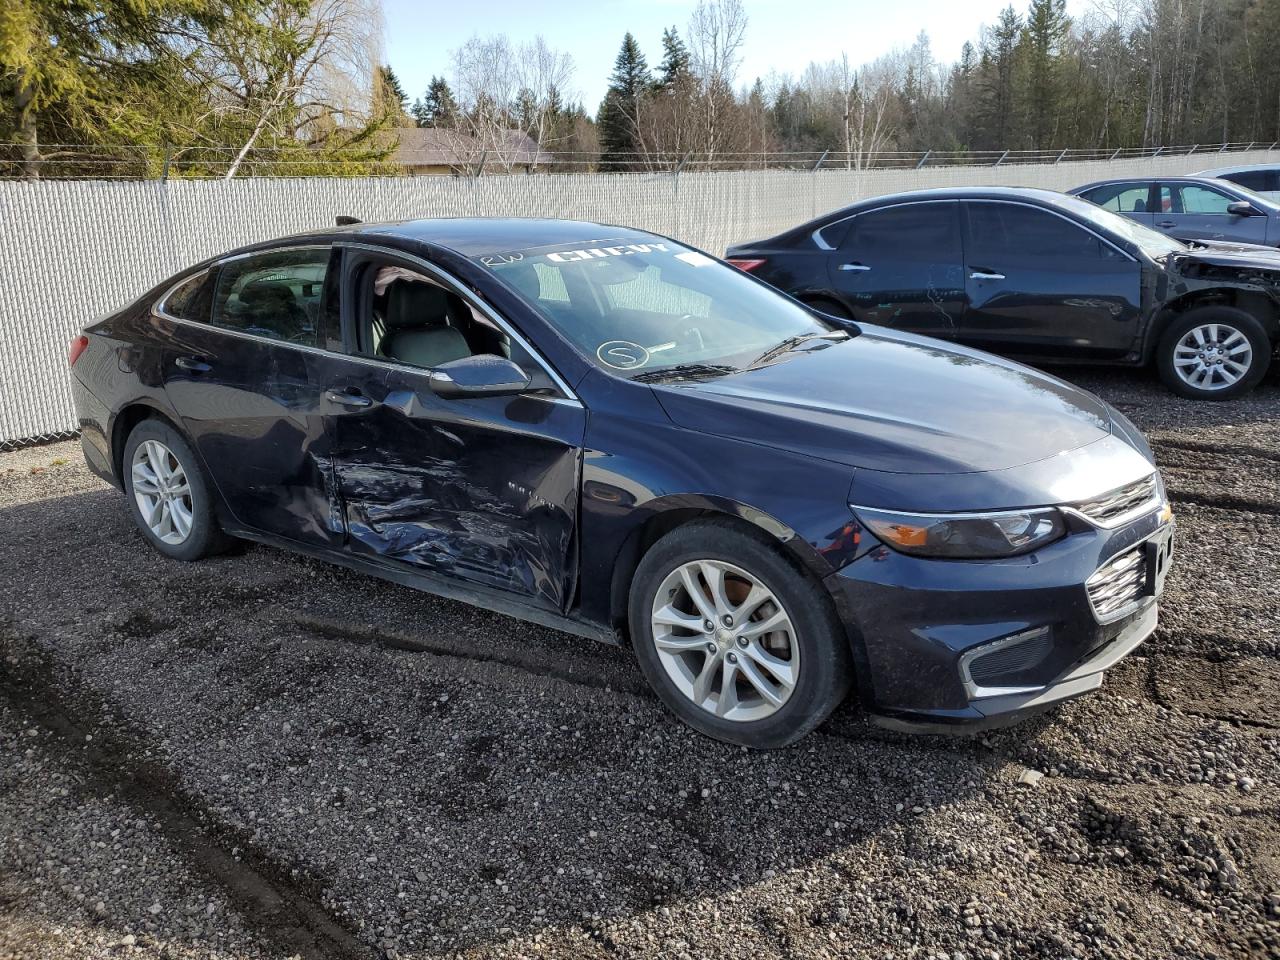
[(1212, 356), (725, 640), (735, 636), (1213, 353)]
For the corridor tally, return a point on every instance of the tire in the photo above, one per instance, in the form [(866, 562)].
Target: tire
[(1239, 334), (831, 308), (199, 537), (813, 648)]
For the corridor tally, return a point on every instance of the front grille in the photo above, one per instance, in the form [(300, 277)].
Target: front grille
[(989, 669), (1118, 583), (1121, 501)]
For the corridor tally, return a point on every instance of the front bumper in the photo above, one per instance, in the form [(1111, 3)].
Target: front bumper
[(917, 627)]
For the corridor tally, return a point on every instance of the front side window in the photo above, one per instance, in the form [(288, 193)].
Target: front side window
[(411, 318), (1001, 230), (1194, 200), (633, 308), (279, 295)]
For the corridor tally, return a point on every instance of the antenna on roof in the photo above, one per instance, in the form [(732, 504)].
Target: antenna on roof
[(345, 221)]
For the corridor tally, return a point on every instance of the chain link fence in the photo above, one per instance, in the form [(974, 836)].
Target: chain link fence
[(73, 250)]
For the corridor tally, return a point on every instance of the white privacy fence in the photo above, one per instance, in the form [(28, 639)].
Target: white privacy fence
[(72, 250)]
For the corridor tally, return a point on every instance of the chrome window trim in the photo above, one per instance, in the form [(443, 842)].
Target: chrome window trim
[(819, 240), (570, 398)]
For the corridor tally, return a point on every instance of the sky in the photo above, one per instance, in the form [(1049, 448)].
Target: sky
[(782, 35)]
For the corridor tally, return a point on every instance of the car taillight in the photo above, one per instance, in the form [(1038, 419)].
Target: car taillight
[(744, 264), (77, 347)]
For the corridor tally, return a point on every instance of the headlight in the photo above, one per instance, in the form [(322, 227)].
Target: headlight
[(971, 536)]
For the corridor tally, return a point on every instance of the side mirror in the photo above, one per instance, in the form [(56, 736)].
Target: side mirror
[(484, 375), (1242, 208)]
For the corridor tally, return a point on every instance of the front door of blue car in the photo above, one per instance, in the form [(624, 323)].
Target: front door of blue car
[(483, 490), (1193, 211)]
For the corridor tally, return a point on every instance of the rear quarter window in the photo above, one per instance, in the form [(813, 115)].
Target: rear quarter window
[(191, 299)]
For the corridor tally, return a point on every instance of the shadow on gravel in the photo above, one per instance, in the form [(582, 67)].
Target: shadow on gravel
[(402, 773)]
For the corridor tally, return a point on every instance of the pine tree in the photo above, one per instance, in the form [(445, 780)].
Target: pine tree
[(390, 98), (618, 118), (677, 65), (1043, 38), (998, 56), (437, 108)]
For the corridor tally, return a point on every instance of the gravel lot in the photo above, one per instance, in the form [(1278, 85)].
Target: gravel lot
[(264, 756)]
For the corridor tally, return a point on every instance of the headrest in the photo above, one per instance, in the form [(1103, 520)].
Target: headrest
[(524, 277), (266, 292), (414, 304)]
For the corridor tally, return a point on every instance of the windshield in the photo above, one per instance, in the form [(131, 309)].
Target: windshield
[(1151, 242), (640, 308)]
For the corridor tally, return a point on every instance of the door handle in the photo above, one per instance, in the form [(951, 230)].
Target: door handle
[(985, 275), (193, 364), (357, 400), (1167, 223), (855, 267)]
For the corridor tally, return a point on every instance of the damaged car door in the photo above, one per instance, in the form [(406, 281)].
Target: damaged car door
[(1041, 284), (901, 267), (481, 489)]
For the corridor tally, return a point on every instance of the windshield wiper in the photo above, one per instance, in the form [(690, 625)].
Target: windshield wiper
[(789, 344), (684, 371)]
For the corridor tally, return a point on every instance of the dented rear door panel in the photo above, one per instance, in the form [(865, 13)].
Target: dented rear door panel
[(484, 490)]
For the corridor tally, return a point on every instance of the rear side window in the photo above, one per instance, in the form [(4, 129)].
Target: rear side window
[(913, 231), (1256, 180), (999, 231), (191, 299), (279, 295), (1121, 197)]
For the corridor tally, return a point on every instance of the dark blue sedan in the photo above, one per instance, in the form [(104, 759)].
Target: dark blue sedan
[(605, 431)]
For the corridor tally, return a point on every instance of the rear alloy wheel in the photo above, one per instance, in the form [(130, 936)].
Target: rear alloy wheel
[(734, 638), (1213, 353), (168, 494)]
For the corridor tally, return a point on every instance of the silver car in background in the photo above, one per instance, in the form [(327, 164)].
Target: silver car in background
[(1262, 178), (1190, 208)]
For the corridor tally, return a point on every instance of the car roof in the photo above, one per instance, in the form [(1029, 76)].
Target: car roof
[(1049, 198), (473, 236), (1193, 178), (1242, 168)]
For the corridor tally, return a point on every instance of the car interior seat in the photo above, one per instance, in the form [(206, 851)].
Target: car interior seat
[(270, 305), (417, 326), (1139, 206)]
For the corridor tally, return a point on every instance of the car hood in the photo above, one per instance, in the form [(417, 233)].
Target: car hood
[(1249, 258), (898, 403)]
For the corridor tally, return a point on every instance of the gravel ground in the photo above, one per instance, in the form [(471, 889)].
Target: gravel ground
[(265, 756)]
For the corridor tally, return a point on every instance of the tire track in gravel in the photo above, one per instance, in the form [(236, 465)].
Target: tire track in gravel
[(1215, 449), (270, 898), (1225, 502)]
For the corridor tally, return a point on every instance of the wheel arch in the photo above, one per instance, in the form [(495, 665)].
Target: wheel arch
[(123, 424), (1265, 309), (669, 513)]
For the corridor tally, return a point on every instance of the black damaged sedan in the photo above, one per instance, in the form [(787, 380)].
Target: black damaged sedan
[(610, 433)]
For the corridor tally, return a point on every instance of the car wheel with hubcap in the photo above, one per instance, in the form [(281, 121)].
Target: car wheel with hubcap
[(735, 638), (1213, 353), (168, 494)]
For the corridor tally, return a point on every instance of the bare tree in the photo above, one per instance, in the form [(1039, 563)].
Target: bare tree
[(297, 73), (505, 95), (716, 33)]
